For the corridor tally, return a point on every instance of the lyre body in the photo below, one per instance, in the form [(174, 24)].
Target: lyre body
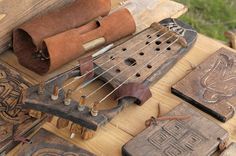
[(139, 61)]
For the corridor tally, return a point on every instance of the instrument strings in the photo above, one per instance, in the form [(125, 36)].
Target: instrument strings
[(127, 68), (80, 77), (165, 49)]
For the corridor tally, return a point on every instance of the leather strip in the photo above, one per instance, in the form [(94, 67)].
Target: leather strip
[(27, 39), (86, 65), (68, 45), (135, 90)]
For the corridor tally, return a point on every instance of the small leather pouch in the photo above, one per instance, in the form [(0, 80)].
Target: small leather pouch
[(69, 45), (27, 39)]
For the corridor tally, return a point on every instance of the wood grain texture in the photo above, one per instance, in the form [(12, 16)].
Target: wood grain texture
[(130, 122), (195, 136), (46, 143), (16, 12)]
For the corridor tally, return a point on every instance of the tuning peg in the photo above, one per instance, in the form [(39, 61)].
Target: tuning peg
[(75, 129), (67, 99), (183, 42), (94, 110), (62, 123), (41, 88), (55, 94), (81, 105)]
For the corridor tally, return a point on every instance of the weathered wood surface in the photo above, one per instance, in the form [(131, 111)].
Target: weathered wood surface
[(212, 85), (15, 12), (195, 136), (11, 85), (46, 143), (130, 122), (230, 150)]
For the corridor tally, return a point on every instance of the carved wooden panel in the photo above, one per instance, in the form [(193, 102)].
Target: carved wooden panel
[(196, 136), (230, 150), (45, 143), (11, 86), (212, 85)]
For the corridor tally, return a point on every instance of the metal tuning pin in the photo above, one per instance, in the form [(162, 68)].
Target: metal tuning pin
[(41, 88), (81, 105), (62, 123), (94, 110), (67, 100), (75, 129), (182, 41), (55, 93)]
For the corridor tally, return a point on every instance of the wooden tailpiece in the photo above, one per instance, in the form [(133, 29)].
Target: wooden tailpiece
[(129, 69)]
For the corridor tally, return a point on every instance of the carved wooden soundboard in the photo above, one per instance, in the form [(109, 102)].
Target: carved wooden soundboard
[(45, 143), (143, 59), (197, 136), (212, 85), (11, 86)]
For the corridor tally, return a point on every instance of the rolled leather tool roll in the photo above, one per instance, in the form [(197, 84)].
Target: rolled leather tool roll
[(69, 45), (27, 39)]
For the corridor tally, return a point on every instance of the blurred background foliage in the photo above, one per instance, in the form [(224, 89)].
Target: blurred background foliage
[(211, 17)]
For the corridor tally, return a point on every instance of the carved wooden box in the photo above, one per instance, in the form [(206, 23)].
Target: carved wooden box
[(212, 85), (45, 143), (196, 136), (11, 85)]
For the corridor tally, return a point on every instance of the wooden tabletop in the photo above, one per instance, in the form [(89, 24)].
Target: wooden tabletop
[(110, 138)]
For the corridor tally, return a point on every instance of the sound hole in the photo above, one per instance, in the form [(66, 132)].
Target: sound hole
[(124, 49), (130, 62), (158, 42), (141, 53)]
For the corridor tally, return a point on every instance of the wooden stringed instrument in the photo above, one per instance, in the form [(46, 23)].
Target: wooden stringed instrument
[(125, 74)]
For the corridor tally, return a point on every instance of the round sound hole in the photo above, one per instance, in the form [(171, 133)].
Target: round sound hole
[(130, 62)]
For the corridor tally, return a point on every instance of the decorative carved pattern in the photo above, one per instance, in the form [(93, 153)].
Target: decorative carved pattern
[(176, 138), (11, 85), (211, 86), (197, 136), (173, 26), (220, 81)]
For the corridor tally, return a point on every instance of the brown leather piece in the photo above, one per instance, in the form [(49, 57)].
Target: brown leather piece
[(68, 45), (86, 66), (27, 39), (136, 90)]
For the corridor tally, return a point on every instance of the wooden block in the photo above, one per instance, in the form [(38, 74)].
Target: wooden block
[(46, 143), (11, 86), (230, 150), (195, 136), (14, 13), (211, 86)]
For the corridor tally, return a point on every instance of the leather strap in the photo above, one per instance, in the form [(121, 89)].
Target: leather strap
[(86, 65), (136, 90)]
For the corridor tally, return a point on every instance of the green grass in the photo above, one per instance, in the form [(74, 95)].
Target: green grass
[(211, 17)]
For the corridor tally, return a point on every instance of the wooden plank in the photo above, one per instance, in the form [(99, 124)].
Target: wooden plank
[(210, 86), (14, 13), (194, 136)]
